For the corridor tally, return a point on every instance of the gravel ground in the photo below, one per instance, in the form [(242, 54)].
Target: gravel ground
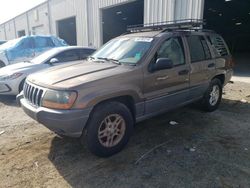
[(202, 150)]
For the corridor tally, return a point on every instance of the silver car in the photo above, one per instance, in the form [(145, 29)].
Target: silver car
[(12, 77)]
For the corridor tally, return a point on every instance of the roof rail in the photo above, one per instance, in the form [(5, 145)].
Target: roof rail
[(185, 24)]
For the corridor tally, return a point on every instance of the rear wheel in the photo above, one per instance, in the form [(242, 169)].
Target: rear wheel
[(213, 95), (109, 129)]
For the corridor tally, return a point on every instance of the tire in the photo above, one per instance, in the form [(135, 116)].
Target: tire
[(98, 124), (2, 64), (212, 97), (21, 86)]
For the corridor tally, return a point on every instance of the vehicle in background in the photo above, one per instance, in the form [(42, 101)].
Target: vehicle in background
[(133, 77), (2, 42), (12, 77), (27, 48)]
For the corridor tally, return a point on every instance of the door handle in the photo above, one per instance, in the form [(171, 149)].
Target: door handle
[(162, 78), (184, 72), (211, 65)]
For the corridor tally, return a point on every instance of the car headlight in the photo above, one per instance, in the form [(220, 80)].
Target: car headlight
[(63, 100), (10, 77)]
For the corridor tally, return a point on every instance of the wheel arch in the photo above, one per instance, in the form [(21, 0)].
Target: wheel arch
[(221, 77), (127, 100)]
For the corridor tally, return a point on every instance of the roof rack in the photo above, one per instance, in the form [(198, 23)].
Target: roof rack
[(185, 24)]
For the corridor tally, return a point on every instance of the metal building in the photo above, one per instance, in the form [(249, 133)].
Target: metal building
[(83, 22), (94, 22)]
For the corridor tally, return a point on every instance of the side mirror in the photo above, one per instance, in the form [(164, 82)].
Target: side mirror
[(163, 63), (53, 60)]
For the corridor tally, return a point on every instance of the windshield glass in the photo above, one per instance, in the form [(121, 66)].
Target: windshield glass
[(10, 43), (124, 50), (45, 56)]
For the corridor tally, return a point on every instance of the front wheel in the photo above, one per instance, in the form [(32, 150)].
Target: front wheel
[(109, 129), (2, 64), (213, 95)]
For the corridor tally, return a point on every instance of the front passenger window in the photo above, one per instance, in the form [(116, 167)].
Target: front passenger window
[(172, 49)]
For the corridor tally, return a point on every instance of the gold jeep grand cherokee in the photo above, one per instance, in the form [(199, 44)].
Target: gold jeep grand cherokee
[(133, 77)]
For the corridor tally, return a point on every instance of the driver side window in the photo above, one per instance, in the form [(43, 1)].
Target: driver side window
[(172, 49), (67, 56)]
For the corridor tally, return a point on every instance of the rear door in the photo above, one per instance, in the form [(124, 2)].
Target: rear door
[(202, 65), (166, 89)]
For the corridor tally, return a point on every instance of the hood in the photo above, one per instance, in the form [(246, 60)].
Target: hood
[(23, 67), (75, 74)]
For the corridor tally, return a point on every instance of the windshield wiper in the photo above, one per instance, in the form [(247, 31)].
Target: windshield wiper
[(109, 59)]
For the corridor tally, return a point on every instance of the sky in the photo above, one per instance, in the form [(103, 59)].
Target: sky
[(11, 8)]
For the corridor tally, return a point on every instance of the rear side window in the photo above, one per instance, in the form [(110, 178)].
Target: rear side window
[(199, 49), (219, 47), (43, 42)]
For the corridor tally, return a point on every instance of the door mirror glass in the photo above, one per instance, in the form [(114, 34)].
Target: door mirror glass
[(163, 63), (53, 60)]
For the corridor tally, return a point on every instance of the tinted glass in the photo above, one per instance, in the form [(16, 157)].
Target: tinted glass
[(70, 55), (84, 53), (218, 45), (125, 50), (205, 48), (196, 48), (172, 49), (43, 42)]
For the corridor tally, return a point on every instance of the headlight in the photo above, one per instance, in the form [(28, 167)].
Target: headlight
[(59, 99), (10, 77)]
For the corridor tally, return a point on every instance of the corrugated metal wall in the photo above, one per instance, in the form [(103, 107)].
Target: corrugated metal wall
[(95, 18), (158, 10), (88, 15), (71, 8), (2, 32), (21, 23), (189, 9)]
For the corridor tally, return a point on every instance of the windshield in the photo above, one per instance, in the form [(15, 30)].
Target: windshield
[(45, 56), (10, 43), (124, 50)]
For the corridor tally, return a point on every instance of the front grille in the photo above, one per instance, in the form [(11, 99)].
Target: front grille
[(33, 94)]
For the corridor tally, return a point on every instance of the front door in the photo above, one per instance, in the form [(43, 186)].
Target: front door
[(167, 89)]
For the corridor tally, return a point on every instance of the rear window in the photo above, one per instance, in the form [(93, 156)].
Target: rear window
[(198, 47), (219, 47)]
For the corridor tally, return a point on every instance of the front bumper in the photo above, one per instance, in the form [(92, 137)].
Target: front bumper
[(63, 122)]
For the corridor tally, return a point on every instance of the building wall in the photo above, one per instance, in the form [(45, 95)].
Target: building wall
[(38, 20), (88, 15), (10, 30), (62, 9), (95, 18), (158, 11), (21, 23), (2, 32), (189, 9)]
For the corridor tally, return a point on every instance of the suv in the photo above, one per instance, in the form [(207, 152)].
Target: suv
[(131, 78), (26, 48)]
